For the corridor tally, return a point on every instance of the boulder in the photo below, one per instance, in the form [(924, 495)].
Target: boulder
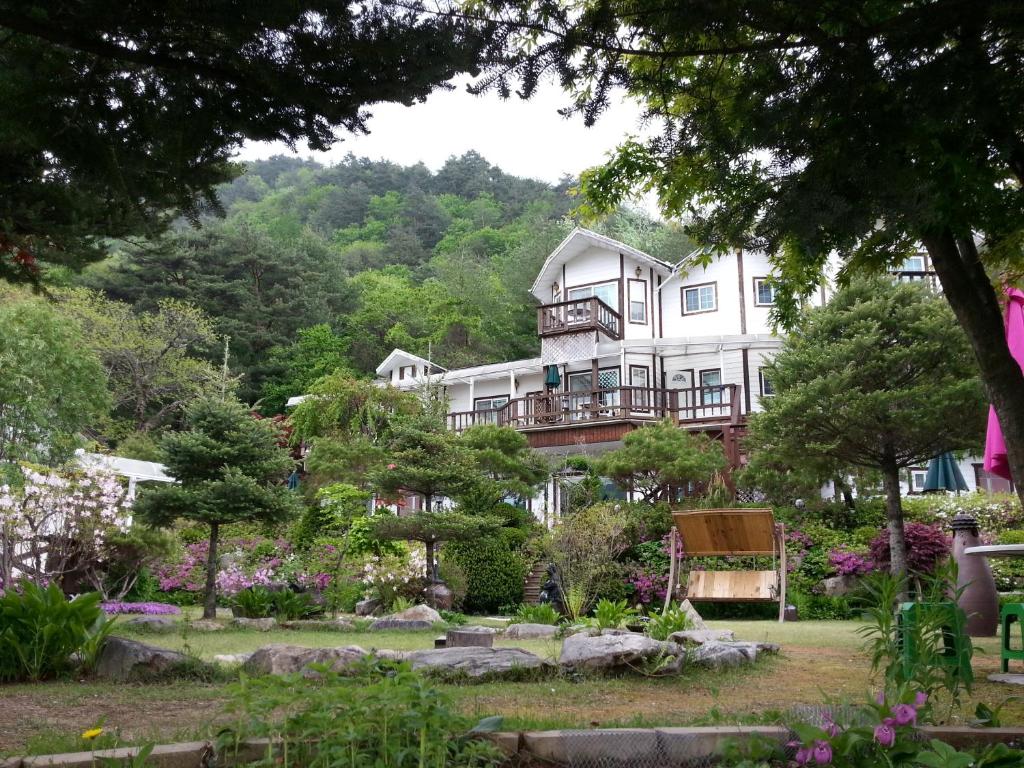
[(439, 596), (474, 661), (716, 655), (123, 659), (367, 607), (281, 659), (319, 625), (530, 631), (837, 586), (206, 625), (417, 617), (461, 637), (232, 658), (261, 625), (692, 617), (581, 651), (701, 636), (151, 623)]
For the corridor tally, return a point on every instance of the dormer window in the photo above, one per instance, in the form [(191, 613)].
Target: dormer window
[(407, 372), (606, 292)]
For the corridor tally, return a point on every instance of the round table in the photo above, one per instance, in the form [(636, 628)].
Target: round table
[(1000, 550), (997, 550)]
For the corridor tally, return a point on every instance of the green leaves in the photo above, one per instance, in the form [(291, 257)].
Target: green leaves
[(41, 629)]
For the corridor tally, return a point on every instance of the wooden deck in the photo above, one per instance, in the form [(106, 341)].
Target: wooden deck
[(579, 316)]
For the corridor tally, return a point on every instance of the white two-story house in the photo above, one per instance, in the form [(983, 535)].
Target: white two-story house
[(625, 339)]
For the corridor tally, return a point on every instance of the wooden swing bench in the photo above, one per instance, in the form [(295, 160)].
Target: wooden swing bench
[(734, 532)]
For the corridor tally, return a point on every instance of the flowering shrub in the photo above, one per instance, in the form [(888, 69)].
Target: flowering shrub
[(927, 545), (648, 586), (54, 522), (848, 563), (994, 511), (388, 577), (150, 609)]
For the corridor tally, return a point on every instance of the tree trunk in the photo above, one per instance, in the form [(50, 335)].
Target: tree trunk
[(894, 514), (431, 569), (210, 602), (970, 293)]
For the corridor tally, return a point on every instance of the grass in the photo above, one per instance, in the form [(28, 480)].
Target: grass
[(820, 662)]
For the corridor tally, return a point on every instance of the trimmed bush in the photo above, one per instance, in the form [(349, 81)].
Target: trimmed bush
[(494, 572)]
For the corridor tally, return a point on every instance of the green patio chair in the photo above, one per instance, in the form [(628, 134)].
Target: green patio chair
[(956, 645), (1010, 614)]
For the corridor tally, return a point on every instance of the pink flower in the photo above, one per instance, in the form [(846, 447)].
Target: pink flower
[(920, 699), (392, 466), (904, 714), (880, 698), (822, 752), (802, 756), (831, 729), (885, 734)]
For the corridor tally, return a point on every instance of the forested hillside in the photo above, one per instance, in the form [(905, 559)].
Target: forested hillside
[(313, 268)]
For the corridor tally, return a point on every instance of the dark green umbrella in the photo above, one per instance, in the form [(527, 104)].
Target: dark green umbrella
[(551, 378), (944, 475)]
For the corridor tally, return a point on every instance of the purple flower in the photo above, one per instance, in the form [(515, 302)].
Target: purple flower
[(885, 734), (904, 714), (831, 729), (920, 699), (152, 609), (880, 698), (822, 752), (802, 756)]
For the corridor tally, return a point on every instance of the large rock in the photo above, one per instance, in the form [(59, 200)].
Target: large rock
[(151, 624), (206, 625), (232, 658), (281, 659), (474, 661), (530, 631), (716, 655), (606, 651), (319, 625), (417, 617), (701, 636), (367, 607), (693, 618), (439, 596), (837, 586), (123, 659), (260, 625)]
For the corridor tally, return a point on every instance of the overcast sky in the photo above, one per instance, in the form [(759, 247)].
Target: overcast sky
[(523, 138)]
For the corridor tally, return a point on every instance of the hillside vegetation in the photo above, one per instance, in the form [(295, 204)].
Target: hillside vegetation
[(313, 268)]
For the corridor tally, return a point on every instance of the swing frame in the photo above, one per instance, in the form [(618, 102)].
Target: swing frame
[(732, 533)]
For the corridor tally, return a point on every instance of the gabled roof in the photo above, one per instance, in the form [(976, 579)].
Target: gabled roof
[(401, 357), (574, 244)]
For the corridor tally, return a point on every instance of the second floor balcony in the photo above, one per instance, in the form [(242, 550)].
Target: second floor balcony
[(696, 406), (578, 316)]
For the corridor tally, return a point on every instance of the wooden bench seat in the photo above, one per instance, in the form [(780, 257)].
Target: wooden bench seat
[(733, 586)]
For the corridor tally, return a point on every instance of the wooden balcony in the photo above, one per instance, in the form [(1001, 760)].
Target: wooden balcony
[(694, 407), (579, 316), (929, 277)]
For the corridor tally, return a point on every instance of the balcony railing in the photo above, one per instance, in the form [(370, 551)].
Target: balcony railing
[(698, 405), (904, 276), (580, 315)]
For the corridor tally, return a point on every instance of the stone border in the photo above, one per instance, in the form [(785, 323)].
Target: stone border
[(547, 746)]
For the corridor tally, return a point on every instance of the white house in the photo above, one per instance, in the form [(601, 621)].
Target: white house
[(626, 339)]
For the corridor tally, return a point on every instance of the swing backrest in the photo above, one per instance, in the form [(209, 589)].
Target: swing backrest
[(721, 532)]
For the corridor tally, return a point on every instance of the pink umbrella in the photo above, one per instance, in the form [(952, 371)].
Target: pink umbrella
[(996, 461)]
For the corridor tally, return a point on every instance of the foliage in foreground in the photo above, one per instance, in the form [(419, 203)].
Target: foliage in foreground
[(384, 714), (40, 629)]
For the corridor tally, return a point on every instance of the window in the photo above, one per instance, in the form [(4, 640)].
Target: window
[(489, 406), (407, 372), (989, 483), (713, 380), (912, 264), (764, 292), (638, 302), (606, 292), (918, 475), (700, 298), (639, 376), (607, 383), (767, 388)]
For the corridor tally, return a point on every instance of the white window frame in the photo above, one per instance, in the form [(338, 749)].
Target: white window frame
[(641, 286), (905, 266), (918, 477), (699, 289), (711, 398), (478, 402), (758, 283), (587, 292), (762, 380)]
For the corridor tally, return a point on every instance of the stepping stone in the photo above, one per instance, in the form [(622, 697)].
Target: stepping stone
[(530, 631), (477, 662), (1007, 678)]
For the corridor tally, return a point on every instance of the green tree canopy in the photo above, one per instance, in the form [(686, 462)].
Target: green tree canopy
[(867, 128), (117, 117), (149, 357), (432, 528), (658, 457), (504, 457), (52, 385), (880, 378), (229, 467)]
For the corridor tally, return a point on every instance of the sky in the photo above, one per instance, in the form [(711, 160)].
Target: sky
[(522, 138)]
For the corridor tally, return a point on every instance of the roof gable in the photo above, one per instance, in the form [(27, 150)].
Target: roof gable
[(401, 357)]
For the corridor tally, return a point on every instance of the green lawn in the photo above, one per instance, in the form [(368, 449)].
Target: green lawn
[(820, 661)]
